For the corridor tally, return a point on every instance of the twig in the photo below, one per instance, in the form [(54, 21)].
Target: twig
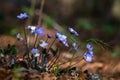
[(40, 13), (39, 20), (55, 60)]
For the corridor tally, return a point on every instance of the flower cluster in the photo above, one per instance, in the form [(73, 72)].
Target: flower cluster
[(89, 53), (39, 49), (61, 38)]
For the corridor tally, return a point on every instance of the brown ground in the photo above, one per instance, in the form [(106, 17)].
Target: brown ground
[(106, 67)]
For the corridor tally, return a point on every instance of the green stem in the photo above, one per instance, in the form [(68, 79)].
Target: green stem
[(26, 44), (70, 62), (49, 50), (80, 59), (72, 58), (51, 45)]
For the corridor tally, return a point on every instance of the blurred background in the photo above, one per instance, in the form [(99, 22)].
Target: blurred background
[(91, 18)]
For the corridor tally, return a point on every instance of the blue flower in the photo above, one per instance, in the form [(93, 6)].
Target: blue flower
[(72, 31), (89, 47), (22, 16), (39, 31), (89, 54), (57, 33), (88, 57), (61, 38), (43, 43), (35, 52), (65, 43), (49, 36)]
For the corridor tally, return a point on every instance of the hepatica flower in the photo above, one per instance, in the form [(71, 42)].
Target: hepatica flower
[(62, 38), (88, 57), (31, 28), (89, 47), (22, 16), (43, 43), (89, 54), (66, 44), (72, 31), (35, 52), (57, 34), (39, 31)]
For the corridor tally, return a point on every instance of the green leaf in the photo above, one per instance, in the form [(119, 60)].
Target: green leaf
[(25, 55), (56, 69), (44, 51), (71, 38), (99, 42), (48, 21), (114, 54), (14, 31), (26, 9), (85, 24), (1, 51), (40, 42), (54, 51), (108, 29), (10, 49)]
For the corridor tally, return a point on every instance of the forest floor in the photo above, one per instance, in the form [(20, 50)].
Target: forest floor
[(103, 67)]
